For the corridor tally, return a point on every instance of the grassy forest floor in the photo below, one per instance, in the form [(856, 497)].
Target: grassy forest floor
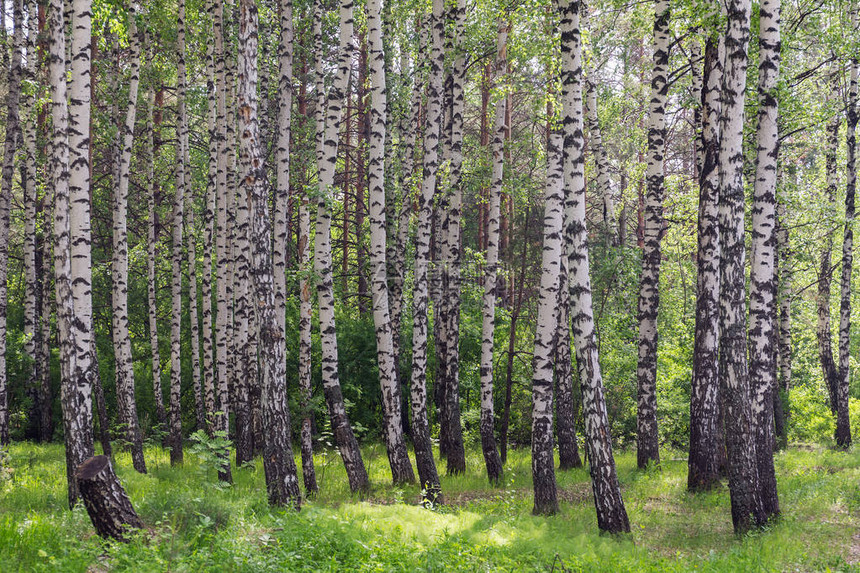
[(195, 525)]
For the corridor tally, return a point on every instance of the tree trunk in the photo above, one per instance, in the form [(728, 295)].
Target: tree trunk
[(647, 439), (825, 273), (151, 253), (398, 458), (80, 95), (703, 463), (449, 309), (122, 341), (565, 409), (488, 440), (762, 308), (107, 504), (223, 322), (420, 427), (32, 272), (209, 382), (611, 514), (543, 464), (347, 444), (175, 417), (843, 425), (101, 406), (282, 481), (8, 171), (601, 161), (783, 342), (747, 508), (76, 390)]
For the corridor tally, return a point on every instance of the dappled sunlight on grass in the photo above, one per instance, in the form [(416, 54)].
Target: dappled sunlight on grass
[(195, 524)]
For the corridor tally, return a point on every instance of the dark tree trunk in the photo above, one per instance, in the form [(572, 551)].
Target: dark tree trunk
[(108, 505), (101, 407), (703, 461)]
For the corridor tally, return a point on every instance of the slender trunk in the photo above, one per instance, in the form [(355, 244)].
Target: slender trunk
[(398, 459), (450, 250), (611, 514), (703, 463), (191, 254), (76, 391), (762, 306), (282, 172), (783, 318), (601, 160), (543, 466), (488, 440), (420, 426), (119, 267), (101, 406), (223, 323), (175, 417), (825, 273), (843, 426), (512, 345), (282, 481), (12, 126), (647, 439), (565, 409), (32, 265), (209, 391), (347, 444), (152, 237), (747, 509)]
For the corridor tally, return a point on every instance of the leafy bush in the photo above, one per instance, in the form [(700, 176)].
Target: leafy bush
[(810, 419)]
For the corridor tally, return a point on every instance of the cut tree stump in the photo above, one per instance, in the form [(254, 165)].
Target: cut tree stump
[(105, 499)]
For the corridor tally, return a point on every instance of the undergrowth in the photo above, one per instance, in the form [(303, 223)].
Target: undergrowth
[(193, 524)]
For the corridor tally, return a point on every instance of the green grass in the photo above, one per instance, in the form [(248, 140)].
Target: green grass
[(193, 525)]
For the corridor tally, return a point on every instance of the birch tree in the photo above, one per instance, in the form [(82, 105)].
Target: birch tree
[(703, 462), (488, 323), (543, 471), (346, 442), (280, 467), (13, 96), (843, 425), (222, 403), (175, 419), (76, 390), (152, 279), (126, 403), (398, 459), (762, 354), (647, 441), (747, 509), (611, 514), (420, 426)]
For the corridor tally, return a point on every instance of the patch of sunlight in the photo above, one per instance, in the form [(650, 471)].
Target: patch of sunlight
[(410, 522)]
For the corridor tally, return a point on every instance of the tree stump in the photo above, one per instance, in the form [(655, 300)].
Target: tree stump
[(108, 505)]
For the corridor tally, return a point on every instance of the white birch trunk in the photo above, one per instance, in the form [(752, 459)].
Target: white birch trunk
[(75, 391), (119, 268), (398, 459), (611, 513), (647, 440), (175, 411), (347, 444), (543, 470), (488, 314), (762, 305)]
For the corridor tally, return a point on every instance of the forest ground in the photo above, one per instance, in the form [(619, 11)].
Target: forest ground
[(195, 525)]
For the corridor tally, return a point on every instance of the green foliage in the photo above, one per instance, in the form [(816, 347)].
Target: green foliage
[(212, 453), (193, 526), (810, 419)]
